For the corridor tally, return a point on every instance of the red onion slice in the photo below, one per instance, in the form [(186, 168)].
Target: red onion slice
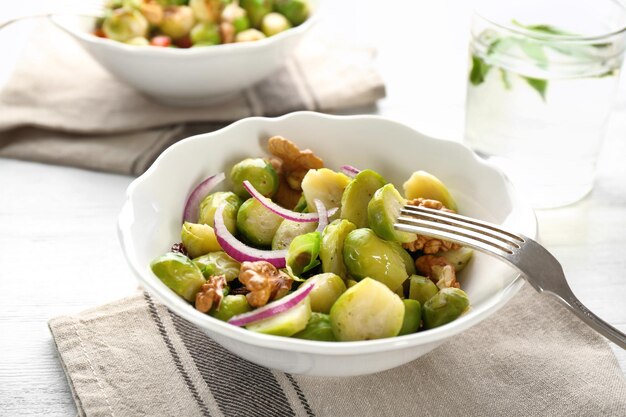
[(323, 215), (241, 252), (349, 170), (192, 207), (273, 308), (281, 211)]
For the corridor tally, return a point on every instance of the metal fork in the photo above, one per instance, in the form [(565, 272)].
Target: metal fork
[(89, 8), (542, 270)]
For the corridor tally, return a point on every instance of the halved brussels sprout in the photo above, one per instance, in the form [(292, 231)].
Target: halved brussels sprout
[(331, 250), (383, 211), (412, 317), (249, 35), (328, 288), (274, 23), (421, 288), (125, 24), (301, 206), (287, 323), (177, 21), (425, 185), (205, 34), (259, 172), (367, 255), (368, 310), (218, 263), (324, 185), (297, 11), (447, 305), (303, 252), (256, 10), (231, 305), (318, 328), (288, 230), (138, 41), (256, 223), (207, 10), (210, 203), (458, 258), (179, 273), (357, 196), (199, 239)]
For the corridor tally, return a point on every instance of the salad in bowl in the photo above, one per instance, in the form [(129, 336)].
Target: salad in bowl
[(293, 266)]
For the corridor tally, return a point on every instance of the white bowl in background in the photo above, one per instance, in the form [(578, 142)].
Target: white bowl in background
[(150, 223), (193, 76)]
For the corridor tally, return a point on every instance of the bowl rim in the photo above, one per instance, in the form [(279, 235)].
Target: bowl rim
[(151, 50), (212, 325)]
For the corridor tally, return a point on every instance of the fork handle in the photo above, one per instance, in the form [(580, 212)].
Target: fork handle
[(567, 297)]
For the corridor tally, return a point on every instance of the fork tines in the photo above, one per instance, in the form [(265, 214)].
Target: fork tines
[(461, 229)]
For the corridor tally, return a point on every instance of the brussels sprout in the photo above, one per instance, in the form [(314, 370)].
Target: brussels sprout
[(301, 206), (324, 185), (447, 305), (232, 305), (125, 24), (259, 172), (297, 11), (303, 252), (236, 15), (210, 203), (425, 185), (358, 194), (287, 323), (249, 35), (351, 283), (412, 317), (367, 255), (331, 250), (288, 230), (218, 263), (207, 10), (274, 23), (138, 41), (318, 328), (256, 223), (459, 258), (205, 34), (177, 21), (421, 288), (256, 10), (199, 239), (383, 211), (179, 273), (369, 310), (153, 12), (409, 264), (328, 287)]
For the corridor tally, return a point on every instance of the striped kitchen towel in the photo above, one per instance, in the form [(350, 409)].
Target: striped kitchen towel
[(60, 106), (135, 358)]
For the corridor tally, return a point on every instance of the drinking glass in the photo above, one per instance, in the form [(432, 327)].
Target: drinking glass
[(543, 77)]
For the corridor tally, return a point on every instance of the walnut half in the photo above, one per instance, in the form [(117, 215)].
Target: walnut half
[(211, 293), (264, 282), (430, 245), (438, 269)]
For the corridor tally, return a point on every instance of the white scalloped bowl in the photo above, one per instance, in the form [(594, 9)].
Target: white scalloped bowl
[(150, 223), (189, 77)]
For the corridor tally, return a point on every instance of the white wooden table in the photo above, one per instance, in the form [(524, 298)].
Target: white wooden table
[(59, 252)]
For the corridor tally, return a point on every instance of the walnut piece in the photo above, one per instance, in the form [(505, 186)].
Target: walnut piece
[(430, 245), (211, 293), (264, 282), (438, 269), (295, 162)]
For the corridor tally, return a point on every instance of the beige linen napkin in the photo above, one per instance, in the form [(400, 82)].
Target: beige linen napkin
[(533, 358), (60, 106)]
